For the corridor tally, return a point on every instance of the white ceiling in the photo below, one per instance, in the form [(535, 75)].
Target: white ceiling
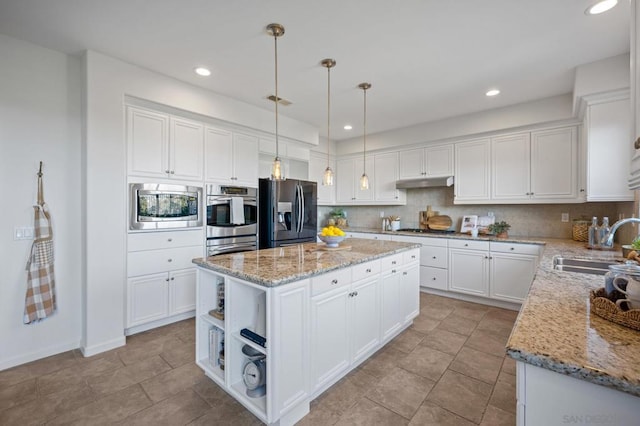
[(426, 60)]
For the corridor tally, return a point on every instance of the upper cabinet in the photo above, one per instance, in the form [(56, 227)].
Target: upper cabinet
[(434, 161), (231, 157), (160, 145), (536, 167), (348, 173), (385, 177), (608, 150)]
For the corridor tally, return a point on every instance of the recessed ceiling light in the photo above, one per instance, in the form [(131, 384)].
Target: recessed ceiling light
[(348, 127), (600, 7), (202, 71), (493, 92)]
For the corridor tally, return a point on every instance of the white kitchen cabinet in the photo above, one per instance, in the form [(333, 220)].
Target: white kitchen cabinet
[(533, 167), (161, 277), (385, 177), (369, 236), (317, 166), (400, 284), (511, 276), (634, 141), (511, 167), (469, 267), (433, 161), (554, 165), (163, 146), (410, 292), (231, 157), (391, 303), (608, 150), (348, 173), (365, 317), (472, 171), (433, 272)]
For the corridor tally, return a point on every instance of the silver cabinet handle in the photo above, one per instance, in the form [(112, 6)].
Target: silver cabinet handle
[(173, 278), (167, 280), (466, 245), (368, 270), (404, 273), (169, 260), (512, 248), (433, 279), (334, 282), (170, 239), (393, 262), (413, 256), (393, 271), (172, 172), (167, 171), (434, 257)]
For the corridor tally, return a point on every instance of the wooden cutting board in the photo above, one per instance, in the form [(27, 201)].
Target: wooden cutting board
[(439, 223)]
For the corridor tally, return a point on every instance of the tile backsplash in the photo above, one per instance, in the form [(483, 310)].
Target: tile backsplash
[(526, 220)]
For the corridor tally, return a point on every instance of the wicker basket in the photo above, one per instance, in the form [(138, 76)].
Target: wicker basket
[(580, 230), (605, 308)]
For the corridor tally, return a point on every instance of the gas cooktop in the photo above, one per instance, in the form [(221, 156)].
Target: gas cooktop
[(427, 231)]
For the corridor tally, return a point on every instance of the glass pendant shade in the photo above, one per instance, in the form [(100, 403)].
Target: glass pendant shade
[(327, 178), (364, 182), (276, 169)]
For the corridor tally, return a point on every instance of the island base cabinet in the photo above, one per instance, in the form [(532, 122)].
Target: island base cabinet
[(410, 293), (365, 319), (511, 276), (548, 398)]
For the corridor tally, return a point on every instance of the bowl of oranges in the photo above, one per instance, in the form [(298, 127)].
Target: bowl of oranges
[(332, 236)]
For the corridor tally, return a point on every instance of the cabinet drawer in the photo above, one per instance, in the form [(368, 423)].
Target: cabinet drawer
[(154, 261), (469, 244), (433, 256), (365, 270), (433, 277), (411, 256), (425, 241), (391, 262), (532, 249), (330, 280), (162, 240)]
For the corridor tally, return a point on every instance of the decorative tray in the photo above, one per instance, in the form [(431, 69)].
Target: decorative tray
[(602, 306)]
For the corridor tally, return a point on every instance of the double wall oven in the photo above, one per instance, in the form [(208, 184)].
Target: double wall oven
[(232, 219)]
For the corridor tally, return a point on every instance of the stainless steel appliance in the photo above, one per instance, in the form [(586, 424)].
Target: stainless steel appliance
[(162, 206), (288, 212), (232, 219)]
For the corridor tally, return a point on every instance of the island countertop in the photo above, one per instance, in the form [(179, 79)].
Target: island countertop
[(556, 329), (277, 266)]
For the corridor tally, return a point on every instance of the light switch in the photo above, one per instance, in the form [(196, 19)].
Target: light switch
[(565, 217), (23, 233)]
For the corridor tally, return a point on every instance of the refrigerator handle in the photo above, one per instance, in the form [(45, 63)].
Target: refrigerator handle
[(299, 207), (302, 208)]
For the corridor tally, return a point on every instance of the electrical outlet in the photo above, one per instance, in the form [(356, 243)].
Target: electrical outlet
[(23, 233), (381, 214), (490, 214), (565, 217)]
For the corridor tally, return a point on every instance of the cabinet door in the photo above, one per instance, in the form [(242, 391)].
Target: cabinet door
[(608, 143), (554, 164), (391, 317), (409, 293), (472, 165), (364, 194), (218, 154), (182, 291), (469, 271), (433, 278), (345, 178), (439, 161), (511, 276), (411, 164), (148, 143), (245, 160), (329, 336), (317, 166), (386, 175), (148, 298), (186, 149), (510, 177), (365, 318)]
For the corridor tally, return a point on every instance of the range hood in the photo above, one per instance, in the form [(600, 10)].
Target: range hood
[(424, 182)]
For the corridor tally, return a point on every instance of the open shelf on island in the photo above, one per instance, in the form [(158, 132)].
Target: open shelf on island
[(259, 404), (254, 345), (211, 370), (213, 321)]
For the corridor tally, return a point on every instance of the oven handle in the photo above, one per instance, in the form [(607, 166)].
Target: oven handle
[(234, 249)]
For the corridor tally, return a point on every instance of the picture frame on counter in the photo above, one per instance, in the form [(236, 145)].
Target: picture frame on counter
[(468, 223)]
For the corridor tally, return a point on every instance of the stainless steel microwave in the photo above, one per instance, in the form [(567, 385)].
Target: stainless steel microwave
[(162, 206)]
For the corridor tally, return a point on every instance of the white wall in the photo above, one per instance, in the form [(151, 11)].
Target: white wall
[(601, 76), (556, 108), (39, 120)]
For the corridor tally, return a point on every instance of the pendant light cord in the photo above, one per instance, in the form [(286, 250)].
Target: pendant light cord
[(328, 114), (275, 38), (364, 151)]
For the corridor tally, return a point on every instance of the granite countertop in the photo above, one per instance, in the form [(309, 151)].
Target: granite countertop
[(556, 330), (277, 266)]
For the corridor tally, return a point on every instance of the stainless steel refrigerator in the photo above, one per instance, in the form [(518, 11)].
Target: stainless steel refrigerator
[(288, 212)]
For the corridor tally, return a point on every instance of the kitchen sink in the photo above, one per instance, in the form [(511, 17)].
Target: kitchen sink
[(585, 266)]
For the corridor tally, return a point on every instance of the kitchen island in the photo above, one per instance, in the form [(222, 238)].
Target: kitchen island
[(573, 367), (321, 311)]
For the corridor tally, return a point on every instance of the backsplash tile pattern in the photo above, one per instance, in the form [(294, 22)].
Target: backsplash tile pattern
[(527, 220)]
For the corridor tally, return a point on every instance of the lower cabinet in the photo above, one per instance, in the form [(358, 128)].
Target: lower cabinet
[(161, 283), (501, 271)]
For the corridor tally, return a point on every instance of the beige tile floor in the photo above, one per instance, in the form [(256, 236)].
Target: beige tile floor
[(449, 368)]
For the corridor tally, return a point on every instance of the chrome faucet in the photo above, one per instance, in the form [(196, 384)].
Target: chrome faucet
[(607, 240)]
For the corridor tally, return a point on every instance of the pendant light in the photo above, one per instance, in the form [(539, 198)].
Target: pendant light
[(364, 179), (327, 178), (276, 30)]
